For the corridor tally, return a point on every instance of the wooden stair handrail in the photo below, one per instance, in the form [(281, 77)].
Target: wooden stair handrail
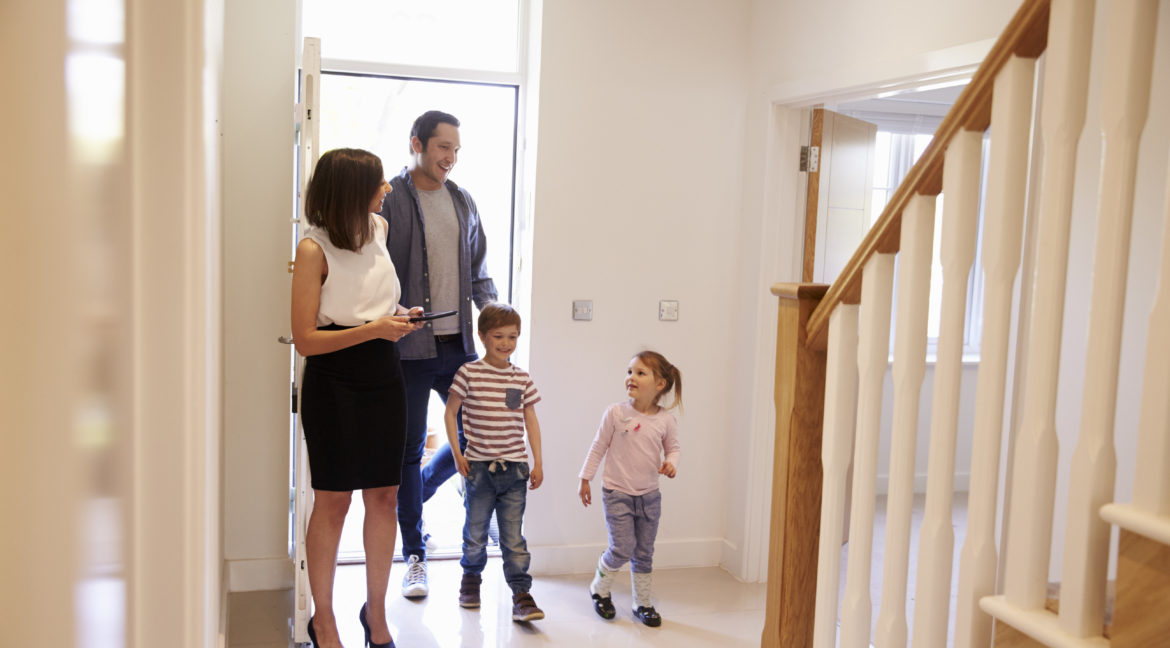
[(1027, 36)]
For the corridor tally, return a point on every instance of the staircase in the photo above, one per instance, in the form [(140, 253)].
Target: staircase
[(833, 352)]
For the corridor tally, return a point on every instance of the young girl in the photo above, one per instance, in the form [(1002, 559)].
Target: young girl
[(634, 435)]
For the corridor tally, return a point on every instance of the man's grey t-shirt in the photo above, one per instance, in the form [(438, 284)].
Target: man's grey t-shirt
[(442, 231)]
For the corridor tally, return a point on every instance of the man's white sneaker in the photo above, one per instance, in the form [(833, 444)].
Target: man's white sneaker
[(414, 584)]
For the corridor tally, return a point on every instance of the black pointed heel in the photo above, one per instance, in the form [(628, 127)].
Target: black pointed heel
[(366, 629), (312, 633)]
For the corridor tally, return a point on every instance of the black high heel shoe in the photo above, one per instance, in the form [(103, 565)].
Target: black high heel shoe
[(312, 633), (366, 628)]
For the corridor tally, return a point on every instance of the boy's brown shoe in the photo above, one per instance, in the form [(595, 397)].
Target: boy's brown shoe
[(469, 590), (524, 608)]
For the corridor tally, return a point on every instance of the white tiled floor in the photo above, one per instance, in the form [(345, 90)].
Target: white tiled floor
[(700, 607)]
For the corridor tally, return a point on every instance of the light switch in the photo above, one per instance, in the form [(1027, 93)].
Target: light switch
[(583, 309), (668, 310)]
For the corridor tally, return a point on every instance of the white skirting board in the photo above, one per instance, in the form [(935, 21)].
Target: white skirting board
[(582, 558), (260, 575)]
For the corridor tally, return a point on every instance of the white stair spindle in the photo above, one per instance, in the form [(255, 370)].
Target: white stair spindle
[(1126, 99), (836, 448), (1151, 481), (914, 266), (936, 540), (873, 356), (1011, 120), (1033, 494)]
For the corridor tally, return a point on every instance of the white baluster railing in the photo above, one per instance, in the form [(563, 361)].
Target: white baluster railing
[(914, 267), (1149, 514), (961, 181), (1029, 532), (1011, 119), (872, 359), (836, 449), (1126, 99)]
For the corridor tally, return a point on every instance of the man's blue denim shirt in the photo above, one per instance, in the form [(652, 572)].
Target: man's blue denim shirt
[(407, 244)]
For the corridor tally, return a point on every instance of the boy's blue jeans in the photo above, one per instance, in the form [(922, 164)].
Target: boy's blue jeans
[(502, 487)]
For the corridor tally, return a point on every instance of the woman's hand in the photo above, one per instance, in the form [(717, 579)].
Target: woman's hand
[(394, 327), (584, 494)]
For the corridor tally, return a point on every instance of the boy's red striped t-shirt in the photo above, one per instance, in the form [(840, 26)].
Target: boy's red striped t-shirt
[(493, 410)]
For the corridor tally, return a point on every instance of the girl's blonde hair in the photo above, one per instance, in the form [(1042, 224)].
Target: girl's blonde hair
[(662, 368)]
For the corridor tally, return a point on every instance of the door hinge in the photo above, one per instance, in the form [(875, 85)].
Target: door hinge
[(810, 158)]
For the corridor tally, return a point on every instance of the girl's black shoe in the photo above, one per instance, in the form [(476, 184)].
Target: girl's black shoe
[(603, 605), (648, 615), (366, 628), (312, 633)]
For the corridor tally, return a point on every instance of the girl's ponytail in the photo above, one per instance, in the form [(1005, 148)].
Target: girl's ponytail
[(668, 372)]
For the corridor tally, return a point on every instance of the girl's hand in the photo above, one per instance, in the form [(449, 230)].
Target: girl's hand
[(667, 469), (394, 327), (584, 494), (535, 477), (460, 462)]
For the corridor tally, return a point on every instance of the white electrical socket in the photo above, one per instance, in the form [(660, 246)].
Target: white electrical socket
[(583, 309), (668, 310)]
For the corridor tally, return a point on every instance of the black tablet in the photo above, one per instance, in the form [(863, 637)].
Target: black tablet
[(430, 316)]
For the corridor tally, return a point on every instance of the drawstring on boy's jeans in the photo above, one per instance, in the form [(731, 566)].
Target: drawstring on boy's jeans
[(497, 462)]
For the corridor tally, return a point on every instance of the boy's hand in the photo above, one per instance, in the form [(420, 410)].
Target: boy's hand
[(584, 494), (460, 462), (667, 469), (535, 477)]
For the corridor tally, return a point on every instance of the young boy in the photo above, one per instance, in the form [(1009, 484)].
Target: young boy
[(498, 401)]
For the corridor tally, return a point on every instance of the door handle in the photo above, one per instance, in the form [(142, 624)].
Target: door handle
[(285, 339)]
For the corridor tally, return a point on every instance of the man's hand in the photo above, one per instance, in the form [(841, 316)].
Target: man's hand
[(667, 469), (584, 493)]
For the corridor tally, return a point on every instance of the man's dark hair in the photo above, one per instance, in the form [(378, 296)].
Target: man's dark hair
[(424, 126)]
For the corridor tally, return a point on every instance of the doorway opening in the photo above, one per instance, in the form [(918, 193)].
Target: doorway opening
[(376, 112)]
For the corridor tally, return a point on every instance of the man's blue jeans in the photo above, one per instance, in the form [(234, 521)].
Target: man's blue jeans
[(422, 376), (502, 487)]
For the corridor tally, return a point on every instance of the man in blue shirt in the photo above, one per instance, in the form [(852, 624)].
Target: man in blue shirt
[(438, 247)]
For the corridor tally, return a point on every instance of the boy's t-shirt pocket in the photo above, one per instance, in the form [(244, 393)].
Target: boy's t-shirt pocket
[(513, 397)]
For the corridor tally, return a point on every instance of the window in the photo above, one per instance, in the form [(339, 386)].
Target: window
[(452, 34), (895, 154), (906, 124)]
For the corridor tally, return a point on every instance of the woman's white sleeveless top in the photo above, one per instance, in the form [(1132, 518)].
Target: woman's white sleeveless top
[(361, 286)]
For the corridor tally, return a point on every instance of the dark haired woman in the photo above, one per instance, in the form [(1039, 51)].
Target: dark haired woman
[(345, 321)]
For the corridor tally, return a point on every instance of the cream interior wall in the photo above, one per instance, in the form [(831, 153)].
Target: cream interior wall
[(637, 200), (258, 95)]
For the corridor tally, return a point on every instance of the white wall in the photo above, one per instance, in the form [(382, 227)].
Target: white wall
[(258, 96), (637, 200)]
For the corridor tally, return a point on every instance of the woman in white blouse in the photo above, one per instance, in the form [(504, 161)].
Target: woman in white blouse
[(345, 320)]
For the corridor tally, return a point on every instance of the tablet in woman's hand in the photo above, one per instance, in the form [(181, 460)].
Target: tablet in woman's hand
[(430, 316)]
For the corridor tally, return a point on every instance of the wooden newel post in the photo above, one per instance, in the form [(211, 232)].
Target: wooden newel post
[(796, 472)]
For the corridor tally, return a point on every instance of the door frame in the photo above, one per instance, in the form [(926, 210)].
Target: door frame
[(788, 110)]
